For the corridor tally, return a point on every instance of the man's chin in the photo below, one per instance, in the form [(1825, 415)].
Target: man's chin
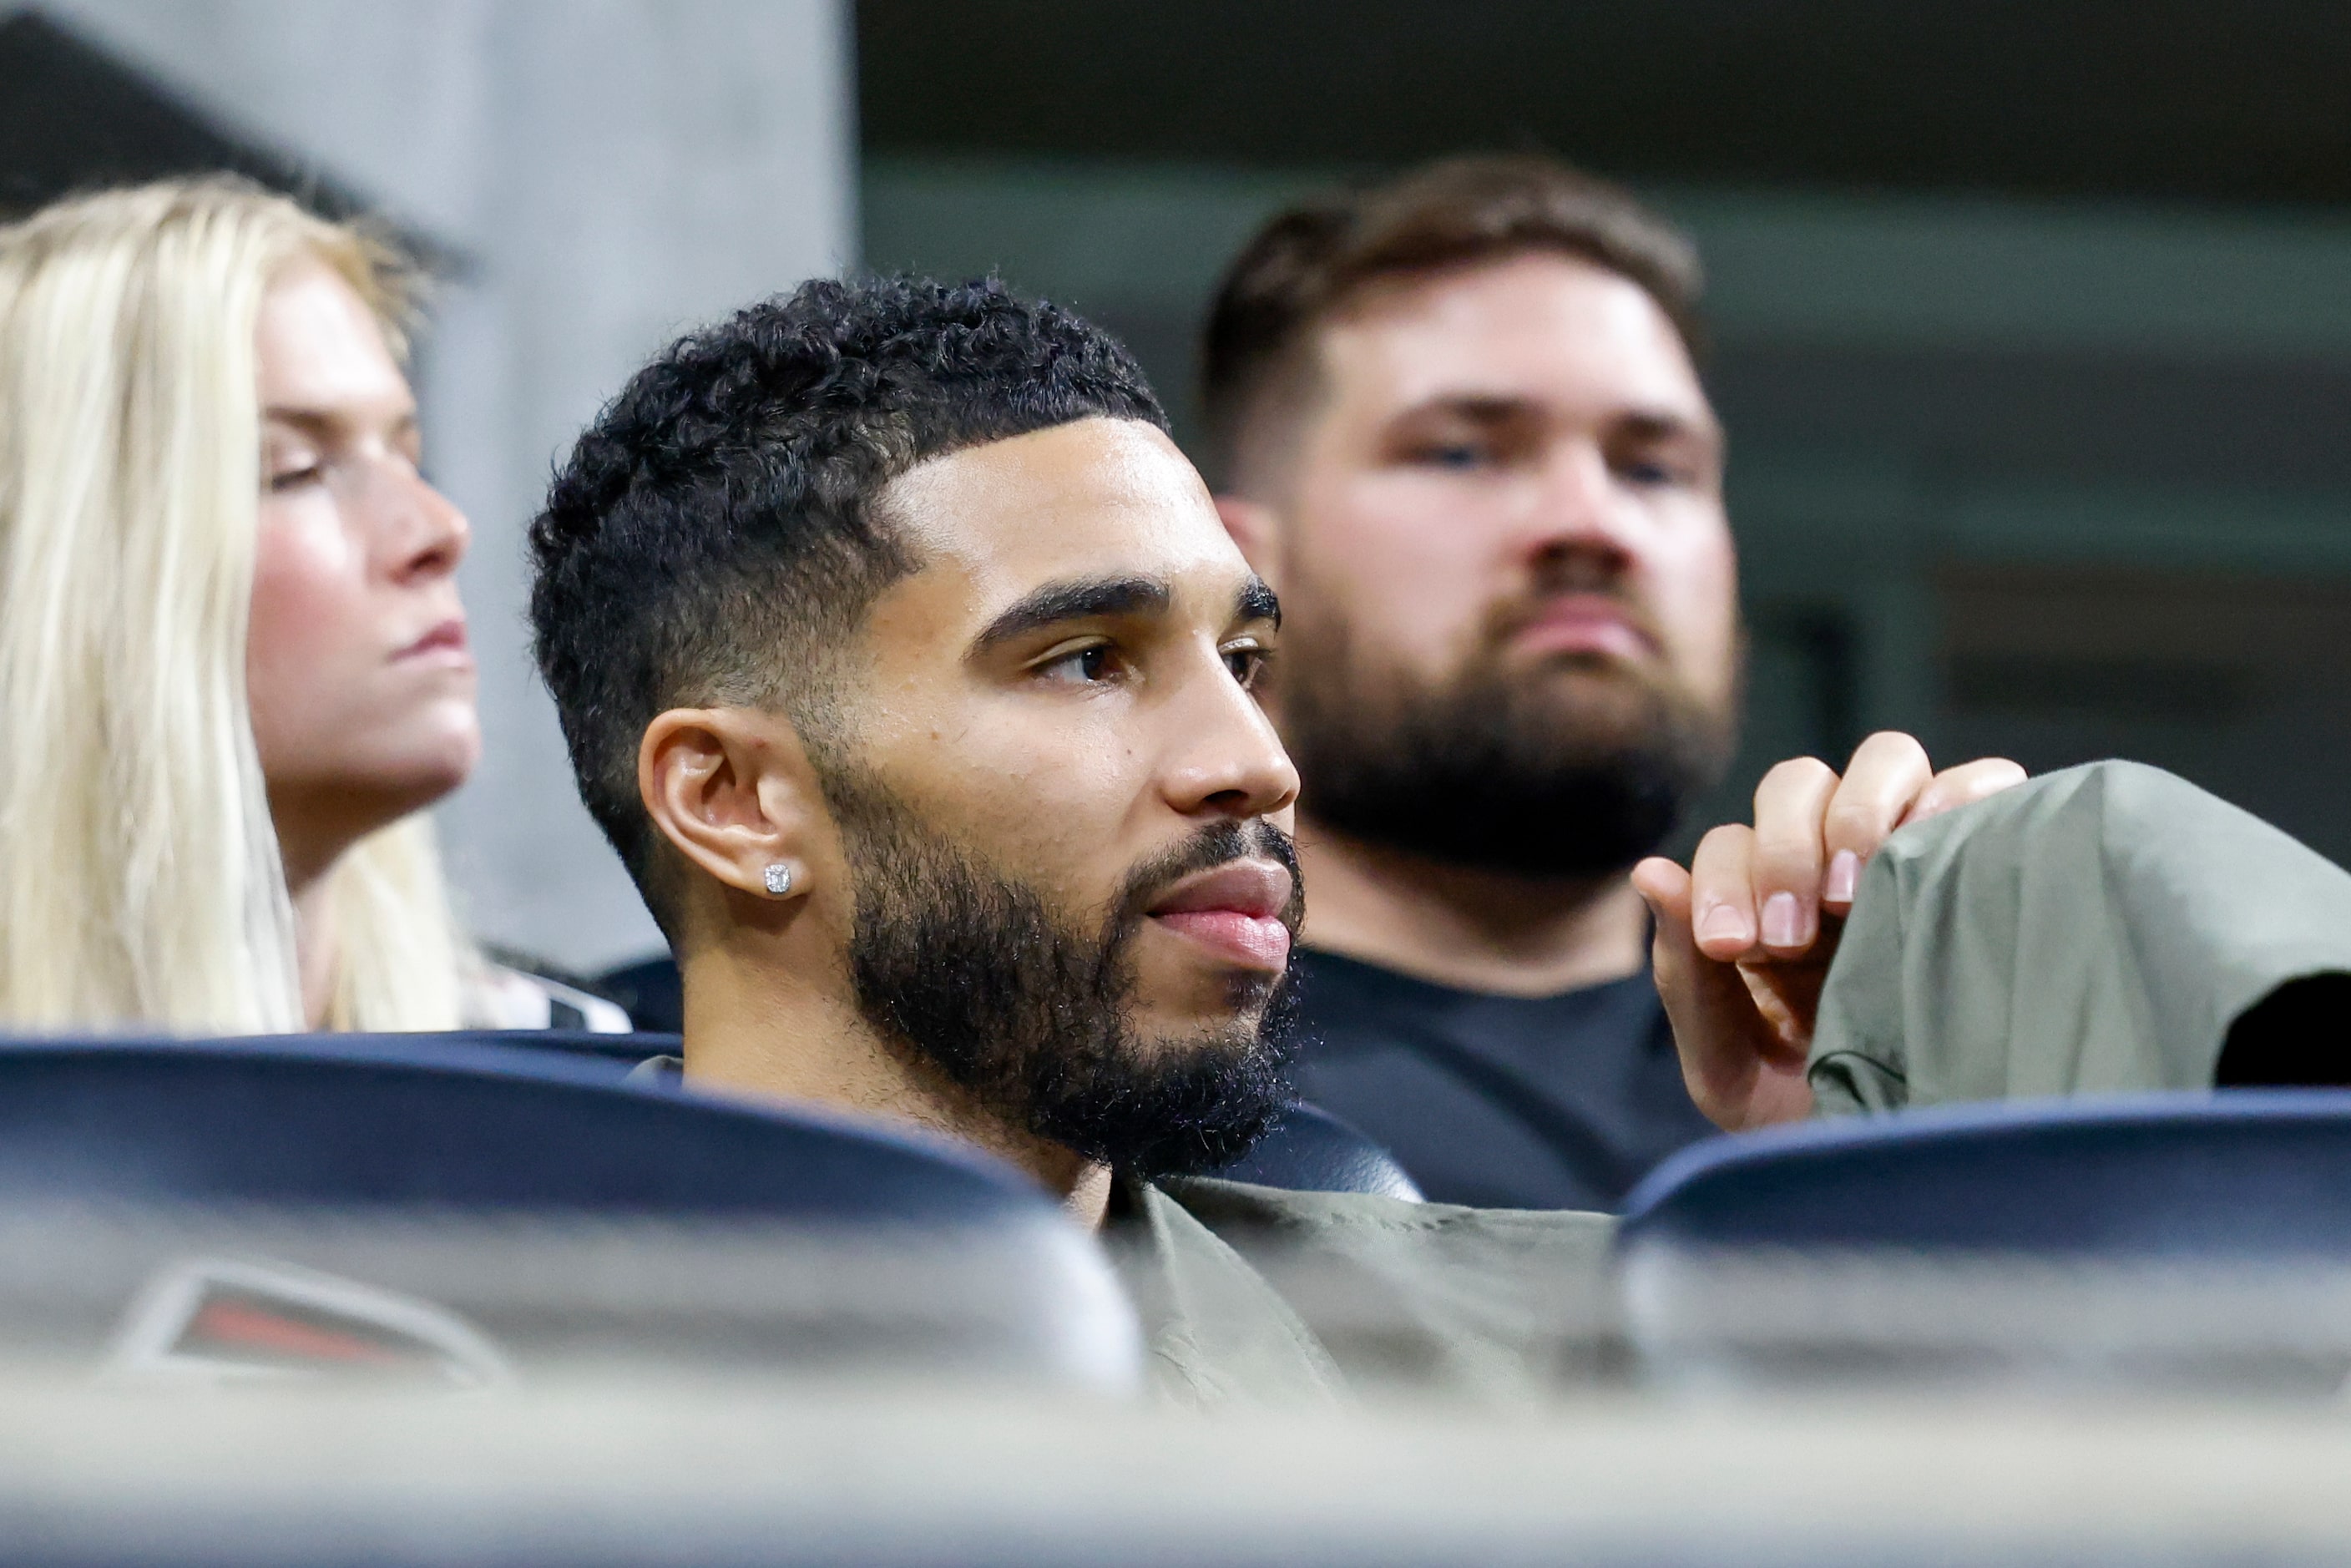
[(1179, 1104), (1194, 994), (1181, 1038), (1601, 702)]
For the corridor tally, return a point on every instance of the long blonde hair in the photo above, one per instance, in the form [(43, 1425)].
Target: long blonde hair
[(140, 878)]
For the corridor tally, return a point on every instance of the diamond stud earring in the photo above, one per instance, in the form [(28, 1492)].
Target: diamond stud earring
[(779, 878)]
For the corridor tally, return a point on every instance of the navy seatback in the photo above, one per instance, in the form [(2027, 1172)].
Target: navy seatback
[(648, 990), (1310, 1150), (620, 1053), (2236, 1173), (403, 1119), (2195, 1240), (172, 1208)]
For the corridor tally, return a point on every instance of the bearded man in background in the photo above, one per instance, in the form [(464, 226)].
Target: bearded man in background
[(1461, 431)]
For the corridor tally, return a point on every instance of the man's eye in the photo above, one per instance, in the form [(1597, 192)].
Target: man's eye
[(1247, 663), (1455, 454), (1649, 472), (1079, 666)]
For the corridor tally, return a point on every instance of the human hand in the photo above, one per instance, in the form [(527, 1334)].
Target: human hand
[(1745, 935)]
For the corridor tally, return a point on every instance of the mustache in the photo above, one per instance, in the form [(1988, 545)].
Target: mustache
[(1578, 571), (1218, 844)]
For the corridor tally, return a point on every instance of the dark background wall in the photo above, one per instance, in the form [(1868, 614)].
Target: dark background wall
[(2033, 322), (2153, 98)]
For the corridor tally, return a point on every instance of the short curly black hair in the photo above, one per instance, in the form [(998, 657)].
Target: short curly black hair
[(712, 539)]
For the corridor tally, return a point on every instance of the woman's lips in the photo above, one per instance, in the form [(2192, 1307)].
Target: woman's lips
[(447, 639), (1236, 910)]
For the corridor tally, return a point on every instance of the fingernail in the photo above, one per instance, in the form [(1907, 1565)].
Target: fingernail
[(1783, 922), (1845, 876), (1724, 923)]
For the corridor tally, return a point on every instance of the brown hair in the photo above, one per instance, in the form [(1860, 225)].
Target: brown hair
[(1308, 261)]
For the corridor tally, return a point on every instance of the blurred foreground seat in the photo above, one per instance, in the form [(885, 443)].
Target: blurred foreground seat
[(1308, 1151), (2193, 1237), (418, 1208)]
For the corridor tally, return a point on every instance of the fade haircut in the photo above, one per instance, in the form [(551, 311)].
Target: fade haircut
[(713, 539), (1310, 261)]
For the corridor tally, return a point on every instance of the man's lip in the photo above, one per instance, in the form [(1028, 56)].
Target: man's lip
[(1584, 623), (1256, 888), (448, 636)]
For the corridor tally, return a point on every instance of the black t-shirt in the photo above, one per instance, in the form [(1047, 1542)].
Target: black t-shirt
[(1560, 1102)]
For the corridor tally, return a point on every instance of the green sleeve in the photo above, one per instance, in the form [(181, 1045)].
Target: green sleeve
[(2096, 929)]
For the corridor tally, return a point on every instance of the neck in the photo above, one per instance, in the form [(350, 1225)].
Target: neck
[(313, 836), (1474, 930), (314, 946), (754, 1028)]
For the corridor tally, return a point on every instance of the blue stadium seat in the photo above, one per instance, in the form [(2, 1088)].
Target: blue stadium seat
[(375, 1119), (2240, 1172), (1312, 1151), (620, 1053), (313, 1150), (648, 990), (2173, 1241)]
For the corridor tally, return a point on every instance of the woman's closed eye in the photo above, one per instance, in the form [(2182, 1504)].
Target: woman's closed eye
[(290, 459)]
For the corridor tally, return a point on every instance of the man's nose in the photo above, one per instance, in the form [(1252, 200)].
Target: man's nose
[(1576, 509), (1224, 759)]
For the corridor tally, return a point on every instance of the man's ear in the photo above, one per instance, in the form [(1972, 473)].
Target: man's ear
[(1256, 529), (733, 791)]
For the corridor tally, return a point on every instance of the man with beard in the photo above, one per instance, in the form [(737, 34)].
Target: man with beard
[(905, 662), (1463, 434)]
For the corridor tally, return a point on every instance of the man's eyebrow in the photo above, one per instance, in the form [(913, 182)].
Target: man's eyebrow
[(1058, 601), (1642, 424), (1481, 408), (1256, 601), (1665, 425)]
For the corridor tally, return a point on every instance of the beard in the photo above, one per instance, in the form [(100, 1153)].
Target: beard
[(972, 977), (1572, 769)]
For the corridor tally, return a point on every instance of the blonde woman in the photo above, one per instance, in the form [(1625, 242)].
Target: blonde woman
[(232, 663)]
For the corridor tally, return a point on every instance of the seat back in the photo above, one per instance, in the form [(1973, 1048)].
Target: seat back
[(2244, 1172), (618, 1054), (648, 990), (1310, 1150), (2192, 1235), (556, 1211)]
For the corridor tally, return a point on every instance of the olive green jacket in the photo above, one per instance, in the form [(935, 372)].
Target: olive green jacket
[(2097, 929), (1254, 1296)]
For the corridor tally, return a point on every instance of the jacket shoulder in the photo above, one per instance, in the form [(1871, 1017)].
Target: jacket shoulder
[(1505, 1304), (1219, 1201)]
